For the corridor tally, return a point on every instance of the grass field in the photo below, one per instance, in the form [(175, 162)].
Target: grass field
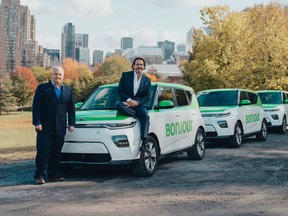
[(17, 136)]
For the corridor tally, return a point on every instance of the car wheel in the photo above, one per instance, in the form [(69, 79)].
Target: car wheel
[(237, 138), (262, 135), (282, 128), (197, 151), (148, 162)]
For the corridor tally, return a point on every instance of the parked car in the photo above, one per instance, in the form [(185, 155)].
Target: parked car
[(231, 114), (103, 136), (275, 103)]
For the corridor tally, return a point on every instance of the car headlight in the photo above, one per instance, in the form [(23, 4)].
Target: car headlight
[(271, 110), (217, 115)]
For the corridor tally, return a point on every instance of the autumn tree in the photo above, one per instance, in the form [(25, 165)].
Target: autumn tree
[(7, 99), (246, 49), (42, 74), (111, 69), (24, 85)]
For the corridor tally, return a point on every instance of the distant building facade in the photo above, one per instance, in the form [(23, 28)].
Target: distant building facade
[(54, 55), (82, 52), (167, 48), (68, 41), (98, 56), (151, 54), (17, 36), (126, 43)]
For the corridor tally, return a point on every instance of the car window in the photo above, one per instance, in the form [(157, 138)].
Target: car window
[(165, 93), (106, 98), (181, 97), (270, 97), (218, 98), (252, 97), (243, 96)]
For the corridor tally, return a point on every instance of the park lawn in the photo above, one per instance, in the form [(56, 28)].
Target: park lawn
[(17, 136)]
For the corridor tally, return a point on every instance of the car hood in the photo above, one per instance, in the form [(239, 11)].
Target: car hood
[(215, 109), (99, 115)]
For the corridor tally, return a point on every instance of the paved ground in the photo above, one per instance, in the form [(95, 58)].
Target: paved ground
[(251, 180)]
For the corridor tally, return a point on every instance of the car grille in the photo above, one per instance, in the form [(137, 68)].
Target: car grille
[(92, 158), (211, 134)]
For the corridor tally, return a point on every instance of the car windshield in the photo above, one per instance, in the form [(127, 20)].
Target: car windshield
[(105, 98), (218, 98), (270, 97)]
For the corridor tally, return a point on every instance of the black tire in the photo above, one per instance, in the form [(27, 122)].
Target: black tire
[(237, 138), (262, 135), (197, 151), (149, 159), (282, 129)]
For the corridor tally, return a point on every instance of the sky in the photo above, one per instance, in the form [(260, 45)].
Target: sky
[(106, 21)]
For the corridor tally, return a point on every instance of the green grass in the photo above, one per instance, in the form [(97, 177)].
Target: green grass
[(17, 136)]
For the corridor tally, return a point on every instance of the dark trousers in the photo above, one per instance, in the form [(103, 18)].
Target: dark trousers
[(139, 112), (48, 155)]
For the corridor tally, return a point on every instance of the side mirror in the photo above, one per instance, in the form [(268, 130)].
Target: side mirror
[(245, 102), (78, 105), (286, 101), (166, 104)]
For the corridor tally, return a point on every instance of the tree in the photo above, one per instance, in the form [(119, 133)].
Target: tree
[(112, 68), (42, 74), (7, 99), (246, 49), (24, 86)]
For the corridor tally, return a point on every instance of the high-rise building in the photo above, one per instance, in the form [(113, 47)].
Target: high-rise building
[(68, 41), (126, 42), (17, 30), (81, 49), (54, 55), (167, 48), (98, 56)]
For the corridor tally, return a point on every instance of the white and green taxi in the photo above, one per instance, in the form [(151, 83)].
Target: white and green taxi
[(103, 136), (275, 103), (232, 114)]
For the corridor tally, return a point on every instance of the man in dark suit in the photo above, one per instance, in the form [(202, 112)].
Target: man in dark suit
[(134, 93), (52, 101)]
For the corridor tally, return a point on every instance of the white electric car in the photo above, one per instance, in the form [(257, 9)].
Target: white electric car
[(232, 114), (102, 136), (275, 103)]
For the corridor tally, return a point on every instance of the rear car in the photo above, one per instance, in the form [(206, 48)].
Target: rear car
[(232, 114), (275, 103), (103, 136)]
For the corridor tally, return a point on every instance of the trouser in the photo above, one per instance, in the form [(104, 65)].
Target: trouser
[(48, 155), (139, 112)]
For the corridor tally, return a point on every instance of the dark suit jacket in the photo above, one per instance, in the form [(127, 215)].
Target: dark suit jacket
[(49, 112), (125, 88)]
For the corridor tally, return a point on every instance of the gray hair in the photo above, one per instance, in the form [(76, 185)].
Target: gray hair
[(57, 68)]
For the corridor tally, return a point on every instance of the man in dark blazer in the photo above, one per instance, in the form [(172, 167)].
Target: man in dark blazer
[(52, 101), (134, 93)]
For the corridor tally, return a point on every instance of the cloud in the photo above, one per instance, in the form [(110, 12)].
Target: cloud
[(89, 8), (50, 42), (38, 8), (175, 3)]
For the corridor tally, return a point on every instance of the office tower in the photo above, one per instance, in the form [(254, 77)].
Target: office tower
[(17, 28), (81, 49), (167, 48), (98, 56), (54, 55), (126, 42), (68, 41)]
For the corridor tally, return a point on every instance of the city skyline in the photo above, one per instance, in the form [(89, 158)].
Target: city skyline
[(106, 22)]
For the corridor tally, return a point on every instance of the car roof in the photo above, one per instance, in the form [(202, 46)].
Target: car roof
[(260, 91), (174, 85), (226, 89)]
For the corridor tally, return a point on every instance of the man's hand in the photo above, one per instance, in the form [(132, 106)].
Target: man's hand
[(133, 103), (38, 128), (70, 128)]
